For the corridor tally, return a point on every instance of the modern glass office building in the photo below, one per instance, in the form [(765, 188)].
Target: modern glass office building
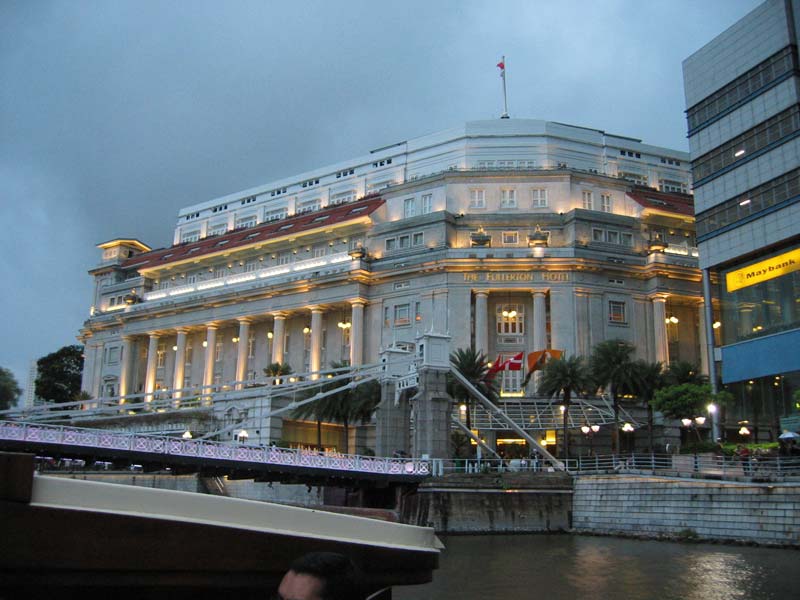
[(743, 111)]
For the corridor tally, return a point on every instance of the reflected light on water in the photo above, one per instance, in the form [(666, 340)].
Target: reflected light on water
[(719, 576)]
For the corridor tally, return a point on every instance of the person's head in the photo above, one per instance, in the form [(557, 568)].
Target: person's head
[(320, 576)]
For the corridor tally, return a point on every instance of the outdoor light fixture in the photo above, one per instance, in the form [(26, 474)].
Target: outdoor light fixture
[(269, 335), (627, 428), (234, 339), (205, 344), (700, 420), (744, 202), (594, 428), (174, 348), (344, 325), (744, 430), (585, 429), (687, 422), (716, 325), (187, 435), (306, 330), (711, 408), (509, 313), (738, 153), (672, 319)]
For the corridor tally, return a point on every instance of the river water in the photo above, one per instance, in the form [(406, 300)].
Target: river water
[(569, 567)]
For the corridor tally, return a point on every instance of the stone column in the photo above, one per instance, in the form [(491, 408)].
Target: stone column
[(278, 334), (432, 415), (150, 377), (208, 368), (126, 366), (180, 361), (357, 333), (315, 363), (440, 323), (660, 329), (482, 322), (562, 320), (241, 355), (701, 336), (539, 321)]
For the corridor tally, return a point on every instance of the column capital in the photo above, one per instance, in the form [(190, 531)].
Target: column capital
[(659, 298), (279, 315), (182, 330), (154, 335), (212, 326), (481, 292), (244, 320), (543, 292), (358, 301), (128, 337), (316, 309)]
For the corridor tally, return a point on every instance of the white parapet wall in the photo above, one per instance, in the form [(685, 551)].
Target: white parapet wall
[(701, 509)]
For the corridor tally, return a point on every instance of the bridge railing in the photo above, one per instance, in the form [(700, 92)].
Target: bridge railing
[(164, 446), (680, 465)]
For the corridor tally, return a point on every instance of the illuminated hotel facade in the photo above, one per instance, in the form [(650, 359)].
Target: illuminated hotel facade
[(509, 235), (743, 98)]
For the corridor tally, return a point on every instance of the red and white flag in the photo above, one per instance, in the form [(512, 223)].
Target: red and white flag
[(498, 365), (502, 66), (514, 363)]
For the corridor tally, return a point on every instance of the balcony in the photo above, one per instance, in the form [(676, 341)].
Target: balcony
[(249, 280)]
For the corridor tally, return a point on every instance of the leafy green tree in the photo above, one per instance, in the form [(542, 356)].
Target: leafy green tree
[(9, 389), (59, 378), (474, 367), (682, 371), (565, 376), (685, 400), (612, 366), (647, 378)]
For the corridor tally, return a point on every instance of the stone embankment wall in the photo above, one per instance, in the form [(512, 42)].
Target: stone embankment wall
[(491, 503), (691, 509)]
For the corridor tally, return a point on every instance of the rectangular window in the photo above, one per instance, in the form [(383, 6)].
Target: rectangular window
[(187, 355), (249, 221), (477, 199), (417, 239), (161, 354), (346, 337), (510, 381), (612, 237), (626, 239), (508, 198), (319, 252), (427, 203), (217, 229), (391, 244), (404, 241), (250, 266), (251, 346), (286, 345), (588, 200), (409, 208), (284, 258), (217, 351), (401, 315), (510, 238), (308, 206), (510, 319), (418, 311), (598, 235), (616, 312), (605, 202), (113, 355), (190, 236), (275, 214), (539, 198), (219, 272)]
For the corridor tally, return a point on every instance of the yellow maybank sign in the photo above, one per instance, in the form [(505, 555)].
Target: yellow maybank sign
[(765, 270)]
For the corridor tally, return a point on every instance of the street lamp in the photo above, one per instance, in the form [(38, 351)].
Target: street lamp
[(589, 431)]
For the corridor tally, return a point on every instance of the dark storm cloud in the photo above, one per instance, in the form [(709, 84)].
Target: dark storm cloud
[(113, 115)]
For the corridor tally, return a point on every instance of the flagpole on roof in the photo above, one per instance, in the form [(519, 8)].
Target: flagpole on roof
[(502, 65)]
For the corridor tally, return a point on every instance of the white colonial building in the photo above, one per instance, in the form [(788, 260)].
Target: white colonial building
[(509, 235)]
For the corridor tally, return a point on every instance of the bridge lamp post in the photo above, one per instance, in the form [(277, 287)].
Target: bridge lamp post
[(187, 435), (589, 431), (243, 436)]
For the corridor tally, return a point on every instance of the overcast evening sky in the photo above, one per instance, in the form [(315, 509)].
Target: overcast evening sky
[(115, 114)]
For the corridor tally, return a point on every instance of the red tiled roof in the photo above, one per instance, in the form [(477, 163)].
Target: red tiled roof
[(664, 201), (252, 235)]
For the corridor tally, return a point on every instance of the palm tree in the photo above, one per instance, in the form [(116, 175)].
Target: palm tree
[(565, 376), (277, 369), (611, 366), (346, 406), (473, 366), (647, 378), (682, 371)]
